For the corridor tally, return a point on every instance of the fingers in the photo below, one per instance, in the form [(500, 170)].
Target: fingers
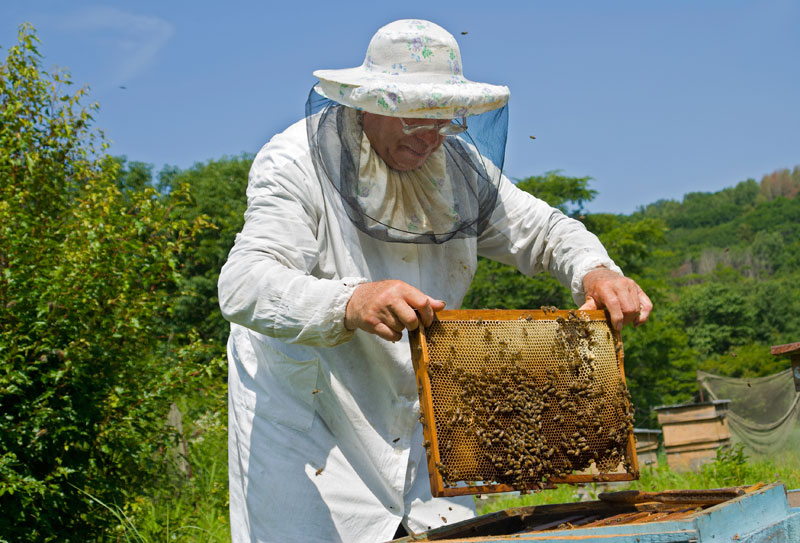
[(387, 333), (588, 305), (386, 308), (624, 300), (646, 307)]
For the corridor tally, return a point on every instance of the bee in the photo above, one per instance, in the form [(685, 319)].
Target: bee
[(318, 472), (395, 440)]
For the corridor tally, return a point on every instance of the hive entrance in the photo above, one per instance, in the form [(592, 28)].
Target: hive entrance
[(515, 400)]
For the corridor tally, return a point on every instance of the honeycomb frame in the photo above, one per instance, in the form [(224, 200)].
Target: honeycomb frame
[(522, 356)]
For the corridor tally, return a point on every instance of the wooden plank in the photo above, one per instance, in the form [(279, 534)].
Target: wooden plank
[(697, 446), (420, 359), (696, 432), (792, 349), (744, 514), (793, 496), (690, 460), (787, 348), (689, 415), (514, 314)]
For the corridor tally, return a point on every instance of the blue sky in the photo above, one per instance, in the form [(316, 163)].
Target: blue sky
[(651, 99)]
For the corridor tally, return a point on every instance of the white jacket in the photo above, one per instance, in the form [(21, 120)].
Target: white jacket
[(324, 442)]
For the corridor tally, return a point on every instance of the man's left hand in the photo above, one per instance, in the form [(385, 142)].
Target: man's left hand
[(624, 300)]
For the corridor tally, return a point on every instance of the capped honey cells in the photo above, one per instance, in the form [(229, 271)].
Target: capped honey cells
[(523, 400)]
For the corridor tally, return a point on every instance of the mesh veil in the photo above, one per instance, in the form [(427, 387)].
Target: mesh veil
[(764, 412), (473, 163)]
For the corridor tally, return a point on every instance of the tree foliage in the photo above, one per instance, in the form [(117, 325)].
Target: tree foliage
[(563, 192), (86, 271)]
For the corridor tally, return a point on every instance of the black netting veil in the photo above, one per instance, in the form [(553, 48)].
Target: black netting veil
[(472, 164)]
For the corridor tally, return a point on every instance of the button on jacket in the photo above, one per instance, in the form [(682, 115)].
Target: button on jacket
[(324, 441)]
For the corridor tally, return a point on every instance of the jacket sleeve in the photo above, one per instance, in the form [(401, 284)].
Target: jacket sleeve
[(532, 236), (267, 283)]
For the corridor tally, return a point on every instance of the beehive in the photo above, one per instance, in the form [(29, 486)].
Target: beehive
[(520, 400)]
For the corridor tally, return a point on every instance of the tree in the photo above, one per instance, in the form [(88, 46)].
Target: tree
[(217, 191), (565, 193), (86, 268), (501, 286)]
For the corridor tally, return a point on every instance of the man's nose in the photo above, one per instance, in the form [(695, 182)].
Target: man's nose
[(429, 137)]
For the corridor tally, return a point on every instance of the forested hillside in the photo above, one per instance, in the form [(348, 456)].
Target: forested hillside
[(723, 270), (109, 314)]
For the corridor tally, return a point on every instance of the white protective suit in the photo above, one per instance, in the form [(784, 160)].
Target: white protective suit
[(324, 441)]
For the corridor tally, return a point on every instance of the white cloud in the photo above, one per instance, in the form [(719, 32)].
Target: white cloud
[(134, 40)]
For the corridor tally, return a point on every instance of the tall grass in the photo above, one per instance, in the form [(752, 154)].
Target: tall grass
[(188, 507)]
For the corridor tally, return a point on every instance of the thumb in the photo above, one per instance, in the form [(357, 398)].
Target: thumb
[(437, 305), (588, 305)]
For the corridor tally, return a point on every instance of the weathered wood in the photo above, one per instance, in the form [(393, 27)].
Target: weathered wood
[(709, 496), (786, 348), (700, 431), (419, 350), (793, 350), (511, 314), (691, 412), (758, 516), (693, 432)]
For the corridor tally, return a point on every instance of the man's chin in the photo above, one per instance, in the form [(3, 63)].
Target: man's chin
[(409, 162)]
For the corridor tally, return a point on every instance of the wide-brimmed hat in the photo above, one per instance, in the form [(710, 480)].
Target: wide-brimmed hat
[(412, 69)]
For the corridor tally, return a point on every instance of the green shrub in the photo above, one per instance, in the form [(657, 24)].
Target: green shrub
[(87, 271)]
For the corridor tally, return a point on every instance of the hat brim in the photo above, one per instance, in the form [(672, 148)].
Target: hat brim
[(436, 96)]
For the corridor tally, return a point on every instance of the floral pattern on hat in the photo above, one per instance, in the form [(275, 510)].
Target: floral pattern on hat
[(412, 68)]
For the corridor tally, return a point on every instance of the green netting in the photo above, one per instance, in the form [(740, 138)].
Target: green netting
[(764, 412)]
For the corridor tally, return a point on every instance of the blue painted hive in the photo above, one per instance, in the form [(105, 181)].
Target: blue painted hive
[(760, 514)]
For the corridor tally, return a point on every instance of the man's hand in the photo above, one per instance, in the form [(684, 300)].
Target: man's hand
[(625, 301), (386, 308)]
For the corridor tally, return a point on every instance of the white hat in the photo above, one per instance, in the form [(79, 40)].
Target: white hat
[(412, 69)]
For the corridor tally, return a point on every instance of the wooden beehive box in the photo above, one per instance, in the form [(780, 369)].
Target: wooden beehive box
[(693, 432), (521, 400)]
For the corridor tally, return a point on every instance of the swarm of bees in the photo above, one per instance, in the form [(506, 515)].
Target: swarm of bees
[(507, 415)]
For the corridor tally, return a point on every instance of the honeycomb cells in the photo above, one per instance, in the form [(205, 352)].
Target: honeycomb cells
[(519, 402)]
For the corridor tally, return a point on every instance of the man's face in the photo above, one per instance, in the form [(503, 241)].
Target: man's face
[(401, 151)]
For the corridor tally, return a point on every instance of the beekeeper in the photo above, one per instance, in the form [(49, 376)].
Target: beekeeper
[(375, 205)]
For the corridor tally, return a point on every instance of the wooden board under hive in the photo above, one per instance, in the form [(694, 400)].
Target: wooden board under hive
[(521, 400)]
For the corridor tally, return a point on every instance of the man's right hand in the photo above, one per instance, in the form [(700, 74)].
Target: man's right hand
[(386, 308)]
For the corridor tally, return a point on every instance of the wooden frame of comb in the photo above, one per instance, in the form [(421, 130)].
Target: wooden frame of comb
[(521, 400)]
